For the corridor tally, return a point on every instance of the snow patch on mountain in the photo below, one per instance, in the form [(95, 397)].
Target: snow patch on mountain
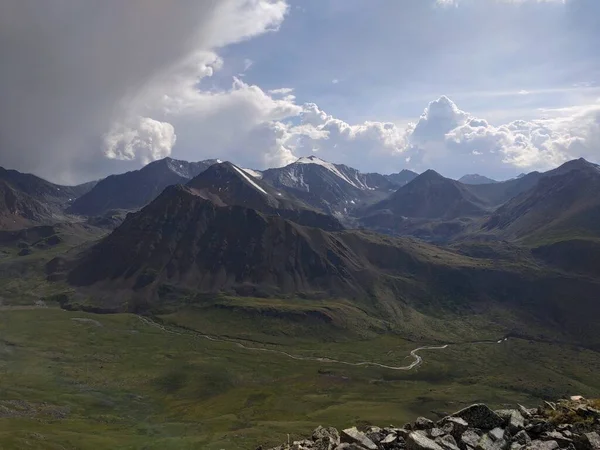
[(328, 166), (247, 178), (253, 173)]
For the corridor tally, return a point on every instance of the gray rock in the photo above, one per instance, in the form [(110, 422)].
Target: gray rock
[(325, 438), (480, 416), (497, 434), (447, 442), (454, 426), (538, 426), (402, 432), (423, 423), (302, 445), (329, 434), (525, 412), (353, 436), (521, 438), (557, 436), (486, 442), (591, 441), (543, 445), (376, 436), (513, 418), (469, 438), (347, 446), (389, 439), (418, 441), (436, 432)]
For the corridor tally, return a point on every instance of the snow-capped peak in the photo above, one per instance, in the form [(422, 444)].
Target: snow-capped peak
[(248, 179), (328, 166)]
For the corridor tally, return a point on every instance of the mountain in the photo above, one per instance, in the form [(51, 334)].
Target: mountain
[(496, 194), (431, 196), (18, 210), (332, 188), (564, 203), (137, 188), (26, 199), (402, 178), (476, 179), (227, 185), (42, 190), (181, 245)]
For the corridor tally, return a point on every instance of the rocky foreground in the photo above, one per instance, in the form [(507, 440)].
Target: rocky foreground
[(568, 424)]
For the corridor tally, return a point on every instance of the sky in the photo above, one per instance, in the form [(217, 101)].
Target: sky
[(495, 87)]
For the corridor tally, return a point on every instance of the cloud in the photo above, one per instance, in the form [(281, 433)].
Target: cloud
[(458, 2), (72, 71), (448, 138), (144, 140)]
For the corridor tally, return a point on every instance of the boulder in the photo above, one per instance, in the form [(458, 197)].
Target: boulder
[(521, 438), (454, 426), (330, 433), (353, 436), (418, 441), (543, 445), (423, 423), (348, 446), (514, 419), (590, 441), (480, 416), (487, 442), (389, 439), (325, 438), (526, 412), (497, 434), (557, 436), (469, 439), (302, 445), (447, 442)]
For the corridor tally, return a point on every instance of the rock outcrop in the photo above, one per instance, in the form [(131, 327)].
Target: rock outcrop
[(566, 424)]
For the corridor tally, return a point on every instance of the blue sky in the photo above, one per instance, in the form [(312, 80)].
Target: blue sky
[(392, 57), (497, 87)]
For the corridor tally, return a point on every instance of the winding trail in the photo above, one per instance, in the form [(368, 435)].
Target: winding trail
[(417, 359)]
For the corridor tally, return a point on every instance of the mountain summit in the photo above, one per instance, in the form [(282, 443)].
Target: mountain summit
[(132, 190), (432, 196)]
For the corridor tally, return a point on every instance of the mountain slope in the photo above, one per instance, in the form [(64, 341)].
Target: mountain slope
[(182, 243), (333, 188), (565, 202), (431, 196), (475, 178), (137, 188), (42, 190), (402, 178), (26, 199), (18, 209), (228, 185)]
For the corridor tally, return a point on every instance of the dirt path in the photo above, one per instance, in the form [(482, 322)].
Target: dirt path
[(417, 359)]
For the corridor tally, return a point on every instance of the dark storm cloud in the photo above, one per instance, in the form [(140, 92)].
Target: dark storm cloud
[(67, 65)]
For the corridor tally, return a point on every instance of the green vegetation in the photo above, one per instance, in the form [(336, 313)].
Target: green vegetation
[(72, 379)]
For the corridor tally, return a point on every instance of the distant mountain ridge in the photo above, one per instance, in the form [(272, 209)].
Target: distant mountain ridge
[(476, 179), (225, 184), (432, 196), (132, 190), (565, 201), (332, 188), (26, 199)]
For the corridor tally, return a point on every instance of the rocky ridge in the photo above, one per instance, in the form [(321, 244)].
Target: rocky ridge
[(567, 424)]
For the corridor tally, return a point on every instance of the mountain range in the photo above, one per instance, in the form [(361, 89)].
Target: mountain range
[(318, 230)]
